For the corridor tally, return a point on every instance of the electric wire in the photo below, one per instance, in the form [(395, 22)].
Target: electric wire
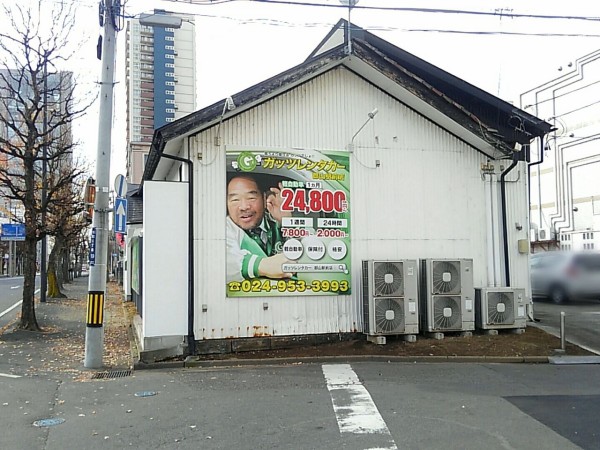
[(498, 13), (282, 23)]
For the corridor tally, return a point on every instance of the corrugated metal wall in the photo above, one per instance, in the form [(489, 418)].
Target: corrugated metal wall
[(417, 192), (518, 217)]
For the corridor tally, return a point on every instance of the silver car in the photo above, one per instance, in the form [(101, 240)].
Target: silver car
[(561, 276)]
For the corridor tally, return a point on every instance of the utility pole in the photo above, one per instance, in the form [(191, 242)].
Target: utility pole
[(94, 332), (43, 266)]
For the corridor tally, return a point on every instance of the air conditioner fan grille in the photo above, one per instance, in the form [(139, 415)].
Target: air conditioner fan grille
[(388, 279), (447, 313), (501, 308), (389, 315), (445, 277)]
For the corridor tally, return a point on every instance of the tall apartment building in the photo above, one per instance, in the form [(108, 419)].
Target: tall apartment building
[(161, 84), (59, 98)]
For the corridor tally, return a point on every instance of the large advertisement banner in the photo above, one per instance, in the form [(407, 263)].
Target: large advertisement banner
[(288, 223)]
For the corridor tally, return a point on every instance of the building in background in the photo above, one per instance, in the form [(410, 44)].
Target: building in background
[(58, 99), (564, 187), (161, 84)]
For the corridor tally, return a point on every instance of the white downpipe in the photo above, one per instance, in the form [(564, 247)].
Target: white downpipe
[(490, 231), (496, 230)]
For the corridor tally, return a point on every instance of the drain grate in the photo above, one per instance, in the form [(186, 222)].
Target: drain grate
[(111, 374)]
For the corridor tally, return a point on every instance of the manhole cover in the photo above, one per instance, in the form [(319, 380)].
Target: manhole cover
[(145, 394), (48, 422), (111, 374)]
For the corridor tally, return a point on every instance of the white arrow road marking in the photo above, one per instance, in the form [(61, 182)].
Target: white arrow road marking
[(353, 406)]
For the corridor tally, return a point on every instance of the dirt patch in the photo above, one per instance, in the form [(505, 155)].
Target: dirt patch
[(534, 342)]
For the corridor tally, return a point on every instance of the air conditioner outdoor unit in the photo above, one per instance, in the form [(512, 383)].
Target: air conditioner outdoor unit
[(389, 295), (447, 295), (544, 234), (500, 308), (532, 235)]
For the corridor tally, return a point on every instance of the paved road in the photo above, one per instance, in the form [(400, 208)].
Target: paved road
[(582, 321), (11, 292), (313, 406)]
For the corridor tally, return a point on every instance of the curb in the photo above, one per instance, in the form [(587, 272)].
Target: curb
[(194, 362)]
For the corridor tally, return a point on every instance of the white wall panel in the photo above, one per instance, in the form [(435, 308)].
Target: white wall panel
[(426, 199), (164, 287), (517, 216)]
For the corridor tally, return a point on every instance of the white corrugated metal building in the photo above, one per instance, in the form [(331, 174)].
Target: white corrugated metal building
[(426, 181)]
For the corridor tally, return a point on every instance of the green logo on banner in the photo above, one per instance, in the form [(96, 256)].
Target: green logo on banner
[(246, 162)]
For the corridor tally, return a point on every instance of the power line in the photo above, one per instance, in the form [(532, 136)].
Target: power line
[(282, 23), (509, 33), (497, 13), (577, 109)]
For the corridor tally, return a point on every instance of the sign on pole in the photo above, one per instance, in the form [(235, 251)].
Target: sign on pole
[(120, 215), (120, 186), (93, 248), (13, 232)]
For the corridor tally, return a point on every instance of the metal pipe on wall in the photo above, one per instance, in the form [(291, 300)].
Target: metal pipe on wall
[(490, 232), (496, 230)]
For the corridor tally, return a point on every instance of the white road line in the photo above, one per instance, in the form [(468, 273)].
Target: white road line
[(6, 311), (9, 375), (9, 309), (15, 287), (353, 406)]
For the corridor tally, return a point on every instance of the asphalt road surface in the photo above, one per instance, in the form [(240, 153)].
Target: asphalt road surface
[(11, 294), (582, 321), (312, 406)]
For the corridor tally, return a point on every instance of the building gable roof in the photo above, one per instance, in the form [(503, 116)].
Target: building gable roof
[(489, 124)]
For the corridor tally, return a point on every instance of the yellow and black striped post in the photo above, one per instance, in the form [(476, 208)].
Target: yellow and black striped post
[(95, 309)]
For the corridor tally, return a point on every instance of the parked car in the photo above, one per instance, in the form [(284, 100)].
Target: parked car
[(561, 276)]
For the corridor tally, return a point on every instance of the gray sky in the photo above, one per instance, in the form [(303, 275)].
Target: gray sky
[(241, 43)]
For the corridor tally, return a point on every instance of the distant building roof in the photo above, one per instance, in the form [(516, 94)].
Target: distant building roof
[(135, 205)]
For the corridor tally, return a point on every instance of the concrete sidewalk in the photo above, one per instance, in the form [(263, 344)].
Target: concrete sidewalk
[(60, 346)]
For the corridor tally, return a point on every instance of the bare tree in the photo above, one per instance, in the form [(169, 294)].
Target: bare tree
[(65, 223), (37, 108)]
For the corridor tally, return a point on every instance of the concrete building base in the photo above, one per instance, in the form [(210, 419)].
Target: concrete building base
[(159, 348)]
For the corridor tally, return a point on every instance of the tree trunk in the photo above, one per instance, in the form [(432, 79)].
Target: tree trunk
[(28, 319), (65, 266), (54, 287)]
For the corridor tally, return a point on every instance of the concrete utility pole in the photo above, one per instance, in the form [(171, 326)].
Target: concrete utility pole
[(44, 256), (94, 332)]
